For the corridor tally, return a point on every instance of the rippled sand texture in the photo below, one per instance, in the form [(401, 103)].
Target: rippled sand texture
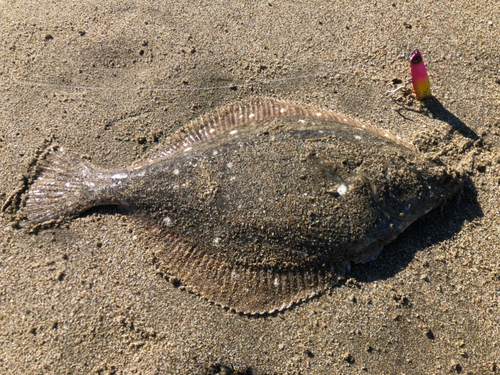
[(89, 295)]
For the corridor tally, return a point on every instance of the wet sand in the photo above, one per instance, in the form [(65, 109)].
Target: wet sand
[(85, 298)]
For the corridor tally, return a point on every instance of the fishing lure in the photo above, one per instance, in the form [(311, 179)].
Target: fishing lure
[(419, 77)]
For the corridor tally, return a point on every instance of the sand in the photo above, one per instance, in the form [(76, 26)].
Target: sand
[(85, 298)]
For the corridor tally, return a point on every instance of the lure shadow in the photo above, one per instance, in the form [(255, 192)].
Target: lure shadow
[(433, 228), (436, 110)]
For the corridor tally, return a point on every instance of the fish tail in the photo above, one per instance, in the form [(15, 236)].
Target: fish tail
[(59, 189)]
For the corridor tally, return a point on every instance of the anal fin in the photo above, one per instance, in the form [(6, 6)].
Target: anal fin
[(252, 291)]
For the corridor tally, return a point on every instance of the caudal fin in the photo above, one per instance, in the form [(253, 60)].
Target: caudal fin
[(60, 188)]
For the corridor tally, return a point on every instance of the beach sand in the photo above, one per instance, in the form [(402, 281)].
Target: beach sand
[(85, 298)]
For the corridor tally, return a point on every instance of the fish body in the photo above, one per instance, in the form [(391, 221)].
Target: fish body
[(269, 210)]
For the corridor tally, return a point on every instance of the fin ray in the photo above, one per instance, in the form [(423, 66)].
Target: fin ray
[(247, 111), (57, 190), (246, 290)]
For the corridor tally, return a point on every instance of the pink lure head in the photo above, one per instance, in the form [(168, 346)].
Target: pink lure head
[(419, 77)]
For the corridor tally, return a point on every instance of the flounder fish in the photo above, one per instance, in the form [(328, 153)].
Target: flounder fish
[(258, 205)]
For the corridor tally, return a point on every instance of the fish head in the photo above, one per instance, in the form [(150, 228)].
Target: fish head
[(408, 190)]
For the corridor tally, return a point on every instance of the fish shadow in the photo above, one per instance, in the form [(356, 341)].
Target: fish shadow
[(437, 226), (433, 108)]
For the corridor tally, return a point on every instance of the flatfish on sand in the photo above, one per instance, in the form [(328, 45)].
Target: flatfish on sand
[(258, 205)]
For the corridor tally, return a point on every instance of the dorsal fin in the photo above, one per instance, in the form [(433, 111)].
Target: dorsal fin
[(247, 111)]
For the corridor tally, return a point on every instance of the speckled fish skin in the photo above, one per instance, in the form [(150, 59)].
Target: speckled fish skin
[(263, 216)]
